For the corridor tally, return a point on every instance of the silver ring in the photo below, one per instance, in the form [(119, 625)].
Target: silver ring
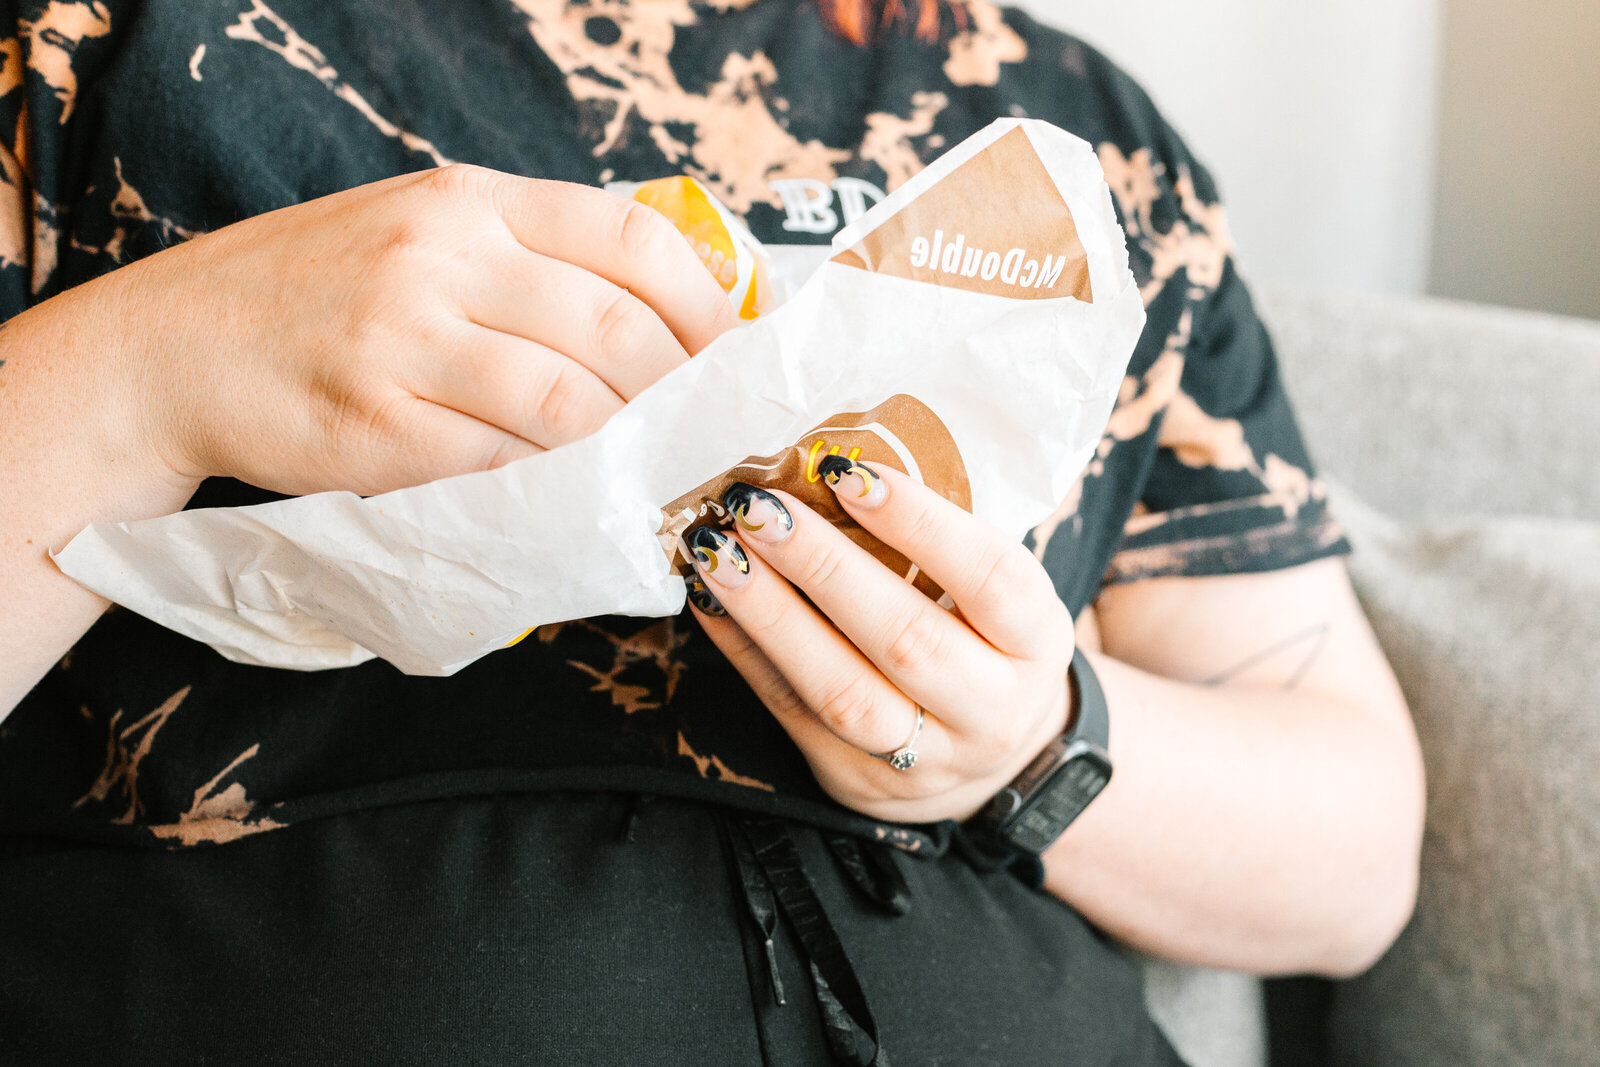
[(905, 757)]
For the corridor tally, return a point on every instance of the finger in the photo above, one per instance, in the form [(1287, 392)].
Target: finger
[(837, 763), (847, 694), (518, 385), (575, 312), (823, 749), (998, 585), (925, 651), (624, 242), (420, 441)]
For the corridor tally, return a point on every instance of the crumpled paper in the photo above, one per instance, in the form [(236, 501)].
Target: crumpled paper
[(993, 288)]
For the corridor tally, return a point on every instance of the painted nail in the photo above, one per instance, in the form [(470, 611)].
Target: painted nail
[(700, 596), (867, 491), (719, 557), (758, 514)]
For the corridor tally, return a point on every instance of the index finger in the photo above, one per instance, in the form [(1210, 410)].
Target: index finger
[(1000, 588), (626, 243)]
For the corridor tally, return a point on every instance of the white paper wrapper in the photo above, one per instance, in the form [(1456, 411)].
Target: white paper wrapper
[(1021, 372)]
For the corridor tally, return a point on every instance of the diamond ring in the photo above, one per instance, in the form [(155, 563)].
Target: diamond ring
[(905, 757)]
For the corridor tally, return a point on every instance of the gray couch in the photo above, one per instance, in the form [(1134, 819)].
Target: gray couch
[(1464, 447)]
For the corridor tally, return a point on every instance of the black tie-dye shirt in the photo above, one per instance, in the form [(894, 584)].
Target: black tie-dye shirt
[(126, 127)]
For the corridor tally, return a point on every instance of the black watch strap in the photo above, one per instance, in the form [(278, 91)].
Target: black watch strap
[(1092, 723), (1031, 812)]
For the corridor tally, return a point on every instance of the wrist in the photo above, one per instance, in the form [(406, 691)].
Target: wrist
[(141, 319), (71, 455), (80, 363)]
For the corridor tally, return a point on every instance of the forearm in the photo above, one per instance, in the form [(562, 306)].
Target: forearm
[(1250, 828), (74, 451)]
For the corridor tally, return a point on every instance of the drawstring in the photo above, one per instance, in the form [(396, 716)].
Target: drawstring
[(851, 1029), (630, 820), (768, 873), (758, 902), (873, 870)]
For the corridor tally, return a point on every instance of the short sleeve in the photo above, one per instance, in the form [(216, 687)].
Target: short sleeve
[(1230, 487), (17, 215), (65, 213)]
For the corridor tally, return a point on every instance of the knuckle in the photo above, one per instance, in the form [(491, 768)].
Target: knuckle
[(506, 450), (719, 310), (914, 644), (706, 303), (739, 645), (765, 628), (1002, 573), (643, 232), (849, 707), (397, 247), (619, 327), (921, 530), (457, 181), (786, 703), (821, 566), (562, 405)]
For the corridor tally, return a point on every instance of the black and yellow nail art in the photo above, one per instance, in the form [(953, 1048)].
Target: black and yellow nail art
[(873, 492), (720, 557), (757, 513), (700, 596)]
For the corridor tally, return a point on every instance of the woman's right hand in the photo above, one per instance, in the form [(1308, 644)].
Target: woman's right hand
[(422, 326)]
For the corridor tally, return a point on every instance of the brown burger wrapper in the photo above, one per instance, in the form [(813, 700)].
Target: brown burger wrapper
[(920, 241), (900, 433)]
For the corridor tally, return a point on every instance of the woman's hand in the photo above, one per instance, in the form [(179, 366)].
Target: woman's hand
[(846, 672), (422, 326)]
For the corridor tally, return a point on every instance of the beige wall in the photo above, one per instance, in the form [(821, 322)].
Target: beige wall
[(1317, 119), (1518, 209)]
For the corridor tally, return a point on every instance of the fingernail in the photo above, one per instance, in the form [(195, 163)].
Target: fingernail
[(758, 514), (719, 557), (867, 491), (700, 596)]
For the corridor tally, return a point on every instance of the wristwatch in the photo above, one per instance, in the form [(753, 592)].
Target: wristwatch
[(1042, 801)]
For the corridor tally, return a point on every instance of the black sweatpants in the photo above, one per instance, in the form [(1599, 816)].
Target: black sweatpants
[(550, 929)]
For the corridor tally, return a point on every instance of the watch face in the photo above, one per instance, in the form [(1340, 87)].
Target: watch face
[(1058, 801)]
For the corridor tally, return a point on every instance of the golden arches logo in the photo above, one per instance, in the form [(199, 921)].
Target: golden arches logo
[(815, 457)]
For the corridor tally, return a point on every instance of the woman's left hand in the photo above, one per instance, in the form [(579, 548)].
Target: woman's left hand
[(845, 652)]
